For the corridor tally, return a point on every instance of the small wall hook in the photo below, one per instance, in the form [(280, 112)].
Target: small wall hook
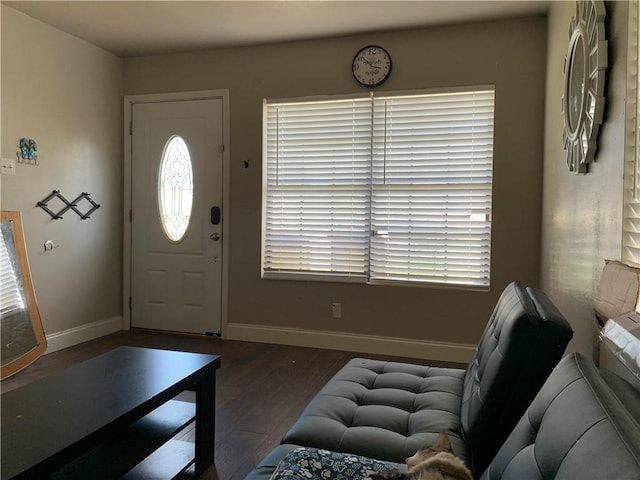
[(49, 245)]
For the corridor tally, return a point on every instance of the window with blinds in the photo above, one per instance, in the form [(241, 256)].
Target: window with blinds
[(631, 219), (393, 188)]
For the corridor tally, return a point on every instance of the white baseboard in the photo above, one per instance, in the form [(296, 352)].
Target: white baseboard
[(74, 336), (401, 347)]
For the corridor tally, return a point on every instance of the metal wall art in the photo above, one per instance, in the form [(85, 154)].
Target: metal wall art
[(584, 82)]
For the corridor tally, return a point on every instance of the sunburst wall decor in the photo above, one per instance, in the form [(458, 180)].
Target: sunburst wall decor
[(584, 81)]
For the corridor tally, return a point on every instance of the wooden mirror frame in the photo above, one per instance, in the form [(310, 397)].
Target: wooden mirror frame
[(24, 275)]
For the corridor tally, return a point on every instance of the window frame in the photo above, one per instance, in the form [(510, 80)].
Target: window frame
[(365, 277)]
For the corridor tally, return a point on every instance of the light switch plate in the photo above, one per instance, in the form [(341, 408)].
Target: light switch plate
[(8, 166)]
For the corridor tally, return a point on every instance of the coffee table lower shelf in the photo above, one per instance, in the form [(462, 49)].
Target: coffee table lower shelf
[(169, 461), (146, 450)]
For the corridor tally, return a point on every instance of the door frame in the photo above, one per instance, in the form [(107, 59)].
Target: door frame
[(129, 101)]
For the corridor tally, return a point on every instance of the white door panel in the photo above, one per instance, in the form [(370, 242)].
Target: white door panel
[(176, 285)]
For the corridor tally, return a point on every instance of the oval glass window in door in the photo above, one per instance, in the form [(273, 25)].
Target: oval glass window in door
[(175, 189)]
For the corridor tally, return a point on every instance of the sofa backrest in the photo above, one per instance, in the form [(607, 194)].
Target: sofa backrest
[(583, 424), (522, 343)]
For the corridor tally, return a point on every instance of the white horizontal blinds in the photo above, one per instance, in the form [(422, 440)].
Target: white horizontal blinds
[(431, 192), (631, 221), (10, 296), (317, 187)]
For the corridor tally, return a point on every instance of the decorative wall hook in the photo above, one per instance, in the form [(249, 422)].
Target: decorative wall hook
[(73, 205), (27, 152)]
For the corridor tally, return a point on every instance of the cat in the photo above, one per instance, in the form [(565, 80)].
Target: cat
[(436, 462)]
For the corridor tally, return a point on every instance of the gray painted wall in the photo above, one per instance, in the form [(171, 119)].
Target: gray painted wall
[(510, 54), (67, 95), (582, 215)]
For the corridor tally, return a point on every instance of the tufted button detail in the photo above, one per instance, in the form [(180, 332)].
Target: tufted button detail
[(388, 410)]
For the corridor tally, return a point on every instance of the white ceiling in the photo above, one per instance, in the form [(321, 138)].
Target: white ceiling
[(131, 28)]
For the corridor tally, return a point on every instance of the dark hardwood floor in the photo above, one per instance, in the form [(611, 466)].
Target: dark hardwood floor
[(260, 388)]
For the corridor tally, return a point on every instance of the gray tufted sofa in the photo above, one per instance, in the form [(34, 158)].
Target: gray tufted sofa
[(387, 410), (583, 424)]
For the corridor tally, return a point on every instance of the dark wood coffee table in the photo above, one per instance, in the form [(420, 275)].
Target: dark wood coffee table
[(101, 418)]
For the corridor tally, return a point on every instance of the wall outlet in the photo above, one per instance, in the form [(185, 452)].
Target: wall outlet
[(8, 166), (336, 310)]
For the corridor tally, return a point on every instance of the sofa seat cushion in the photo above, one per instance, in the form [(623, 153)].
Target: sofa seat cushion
[(383, 410)]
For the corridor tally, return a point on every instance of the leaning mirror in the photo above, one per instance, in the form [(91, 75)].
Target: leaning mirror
[(21, 332)]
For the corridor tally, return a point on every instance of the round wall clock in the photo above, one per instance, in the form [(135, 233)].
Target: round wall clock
[(371, 66), (584, 79)]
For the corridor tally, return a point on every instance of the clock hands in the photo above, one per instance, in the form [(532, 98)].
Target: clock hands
[(370, 64)]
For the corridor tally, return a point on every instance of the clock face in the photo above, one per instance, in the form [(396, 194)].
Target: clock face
[(371, 66)]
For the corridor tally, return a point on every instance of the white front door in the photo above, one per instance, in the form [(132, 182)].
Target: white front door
[(176, 199)]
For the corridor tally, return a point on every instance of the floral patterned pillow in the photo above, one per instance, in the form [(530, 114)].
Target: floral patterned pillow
[(312, 463)]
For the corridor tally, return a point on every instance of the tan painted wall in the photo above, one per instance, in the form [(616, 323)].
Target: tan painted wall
[(582, 215), (509, 54), (66, 94)]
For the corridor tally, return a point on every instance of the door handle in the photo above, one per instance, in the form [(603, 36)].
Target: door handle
[(215, 236), (215, 215)]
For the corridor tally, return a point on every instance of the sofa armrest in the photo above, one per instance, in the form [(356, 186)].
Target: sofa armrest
[(582, 424)]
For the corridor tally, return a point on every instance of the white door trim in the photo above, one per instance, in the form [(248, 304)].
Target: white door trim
[(129, 101)]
